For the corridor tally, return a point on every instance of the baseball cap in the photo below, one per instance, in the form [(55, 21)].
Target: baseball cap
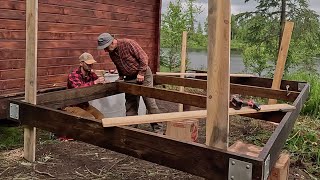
[(87, 58), (104, 40)]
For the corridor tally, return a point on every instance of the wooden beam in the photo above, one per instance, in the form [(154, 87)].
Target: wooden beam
[(210, 163), (282, 57), (166, 95), (279, 137), (234, 88), (31, 74), (219, 22), (183, 61), (181, 74), (69, 97), (180, 116)]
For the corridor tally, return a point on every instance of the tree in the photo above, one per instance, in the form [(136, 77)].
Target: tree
[(174, 22), (260, 30)]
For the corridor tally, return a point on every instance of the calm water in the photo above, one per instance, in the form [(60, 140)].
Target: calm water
[(198, 60)]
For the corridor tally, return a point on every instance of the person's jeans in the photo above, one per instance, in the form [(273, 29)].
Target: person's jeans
[(132, 101)]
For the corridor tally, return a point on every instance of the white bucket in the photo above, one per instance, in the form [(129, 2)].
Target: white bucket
[(114, 106)]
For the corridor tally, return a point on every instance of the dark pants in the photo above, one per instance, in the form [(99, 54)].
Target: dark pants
[(132, 101)]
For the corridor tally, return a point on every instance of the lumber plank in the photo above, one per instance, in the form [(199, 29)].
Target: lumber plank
[(31, 74), (180, 116), (282, 57), (183, 61), (181, 74), (234, 88), (218, 89)]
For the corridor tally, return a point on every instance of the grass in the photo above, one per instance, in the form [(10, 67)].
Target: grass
[(304, 143), (11, 137), (312, 106)]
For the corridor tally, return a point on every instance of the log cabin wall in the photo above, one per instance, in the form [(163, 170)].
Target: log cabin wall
[(66, 29)]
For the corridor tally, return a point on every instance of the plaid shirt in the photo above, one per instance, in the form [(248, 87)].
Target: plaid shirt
[(76, 79), (129, 58)]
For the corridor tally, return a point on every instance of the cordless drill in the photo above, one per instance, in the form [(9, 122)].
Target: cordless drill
[(238, 103)]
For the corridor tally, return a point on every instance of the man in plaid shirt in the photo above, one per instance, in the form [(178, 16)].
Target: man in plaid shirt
[(84, 77), (132, 63)]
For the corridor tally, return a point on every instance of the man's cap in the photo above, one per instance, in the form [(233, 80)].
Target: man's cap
[(104, 40), (87, 58)]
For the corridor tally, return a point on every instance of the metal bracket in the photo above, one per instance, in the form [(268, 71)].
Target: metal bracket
[(266, 169), (301, 86), (14, 111), (239, 170)]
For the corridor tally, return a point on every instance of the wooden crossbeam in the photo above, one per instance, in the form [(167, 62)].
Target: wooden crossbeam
[(180, 116), (234, 88), (198, 74)]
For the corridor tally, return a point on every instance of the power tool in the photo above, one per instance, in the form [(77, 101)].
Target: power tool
[(238, 103)]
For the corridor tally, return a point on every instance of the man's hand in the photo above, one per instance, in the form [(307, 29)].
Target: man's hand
[(140, 78), (100, 80)]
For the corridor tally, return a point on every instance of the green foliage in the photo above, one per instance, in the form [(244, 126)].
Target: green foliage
[(259, 31), (10, 137), (179, 17), (304, 144), (312, 106)]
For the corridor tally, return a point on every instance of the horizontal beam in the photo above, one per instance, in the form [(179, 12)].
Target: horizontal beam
[(68, 97), (180, 116), (279, 137), (198, 74), (193, 158), (234, 88), (166, 95)]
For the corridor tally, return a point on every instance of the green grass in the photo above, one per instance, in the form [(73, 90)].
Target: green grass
[(312, 106), (304, 144), (11, 137)]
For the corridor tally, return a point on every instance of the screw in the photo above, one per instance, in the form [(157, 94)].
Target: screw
[(210, 96), (233, 163), (232, 177), (248, 167)]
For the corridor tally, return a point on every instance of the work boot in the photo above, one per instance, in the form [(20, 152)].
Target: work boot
[(157, 128)]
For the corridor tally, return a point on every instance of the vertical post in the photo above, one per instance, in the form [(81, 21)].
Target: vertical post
[(218, 81), (31, 73), (183, 62), (282, 57)]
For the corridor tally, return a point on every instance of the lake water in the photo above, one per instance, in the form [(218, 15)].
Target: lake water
[(198, 60)]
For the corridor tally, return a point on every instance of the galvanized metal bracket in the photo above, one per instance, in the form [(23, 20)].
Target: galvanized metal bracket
[(14, 111), (266, 170), (239, 170)]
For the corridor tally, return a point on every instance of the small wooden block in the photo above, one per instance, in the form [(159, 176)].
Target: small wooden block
[(186, 130), (280, 171), (246, 149)]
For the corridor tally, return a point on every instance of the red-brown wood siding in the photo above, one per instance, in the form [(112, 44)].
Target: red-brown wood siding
[(68, 28)]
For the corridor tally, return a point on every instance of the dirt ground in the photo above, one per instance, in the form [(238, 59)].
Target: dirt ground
[(77, 160)]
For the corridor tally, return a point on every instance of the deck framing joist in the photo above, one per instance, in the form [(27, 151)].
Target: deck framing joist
[(193, 158)]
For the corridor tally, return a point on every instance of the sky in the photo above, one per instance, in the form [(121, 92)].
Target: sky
[(237, 6)]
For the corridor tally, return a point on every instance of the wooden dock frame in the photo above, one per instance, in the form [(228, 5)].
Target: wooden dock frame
[(201, 160), (193, 158)]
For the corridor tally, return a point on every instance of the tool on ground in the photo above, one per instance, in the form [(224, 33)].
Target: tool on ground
[(238, 103)]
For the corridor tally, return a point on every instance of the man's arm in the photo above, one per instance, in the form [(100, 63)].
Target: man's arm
[(140, 55)]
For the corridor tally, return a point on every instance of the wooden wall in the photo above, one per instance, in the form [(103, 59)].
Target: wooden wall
[(66, 29)]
